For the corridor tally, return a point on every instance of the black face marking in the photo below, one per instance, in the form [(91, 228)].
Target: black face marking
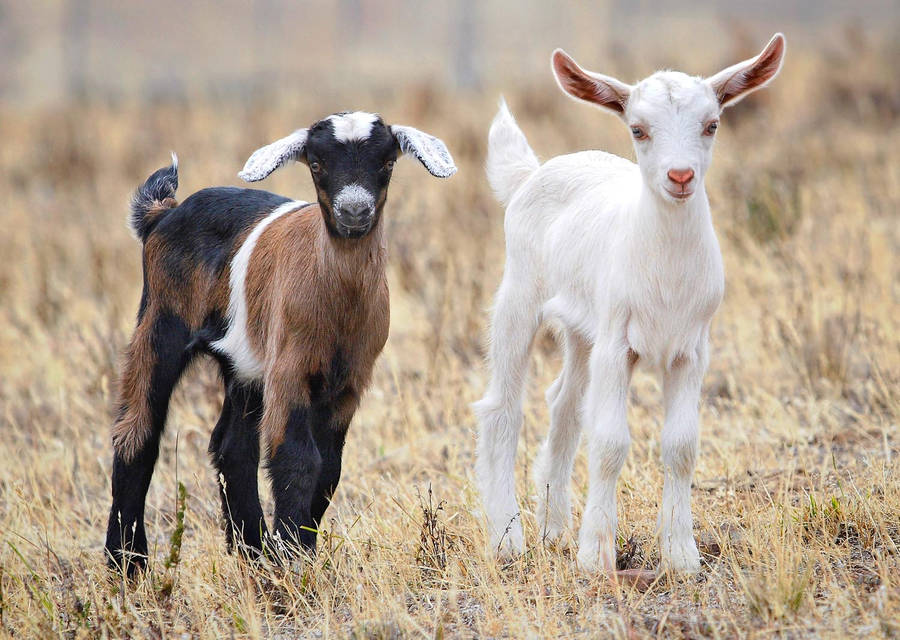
[(352, 176)]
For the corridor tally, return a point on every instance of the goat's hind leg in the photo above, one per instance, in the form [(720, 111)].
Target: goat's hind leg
[(553, 468), (156, 358), (515, 320), (234, 448)]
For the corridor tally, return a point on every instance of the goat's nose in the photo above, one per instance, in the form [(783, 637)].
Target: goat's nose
[(355, 211), (681, 176)]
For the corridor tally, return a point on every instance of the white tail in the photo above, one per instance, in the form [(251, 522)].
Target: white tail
[(510, 161)]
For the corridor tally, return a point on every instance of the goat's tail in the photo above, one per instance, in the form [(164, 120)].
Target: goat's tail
[(510, 161), (153, 198)]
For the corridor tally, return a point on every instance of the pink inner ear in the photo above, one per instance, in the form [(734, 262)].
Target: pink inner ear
[(761, 71), (578, 84)]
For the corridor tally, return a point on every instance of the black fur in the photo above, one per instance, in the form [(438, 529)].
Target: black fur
[(203, 229), (159, 186), (126, 540), (234, 447), (294, 472)]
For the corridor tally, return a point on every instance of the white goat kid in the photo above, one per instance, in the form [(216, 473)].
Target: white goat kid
[(624, 258)]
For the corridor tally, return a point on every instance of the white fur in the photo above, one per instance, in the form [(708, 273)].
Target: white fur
[(350, 127), (353, 194), (266, 159), (234, 343), (599, 246), (430, 151)]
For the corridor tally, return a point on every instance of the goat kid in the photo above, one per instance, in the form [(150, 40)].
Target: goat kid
[(624, 258), (291, 299)]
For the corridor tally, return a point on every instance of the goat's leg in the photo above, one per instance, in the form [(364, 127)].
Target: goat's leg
[(156, 358), (553, 468), (680, 442), (515, 321), (234, 448), (330, 441), (330, 432), (294, 467), (608, 444)]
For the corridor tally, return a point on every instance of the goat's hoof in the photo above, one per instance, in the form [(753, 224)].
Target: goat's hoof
[(129, 562), (680, 558), (590, 561), (554, 536), (511, 544)]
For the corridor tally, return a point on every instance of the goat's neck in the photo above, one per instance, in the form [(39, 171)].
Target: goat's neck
[(671, 224), (355, 262)]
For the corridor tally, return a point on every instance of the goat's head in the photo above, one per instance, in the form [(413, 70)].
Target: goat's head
[(673, 117), (351, 157)]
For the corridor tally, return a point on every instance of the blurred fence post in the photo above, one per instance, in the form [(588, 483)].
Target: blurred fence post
[(75, 37), (465, 71)]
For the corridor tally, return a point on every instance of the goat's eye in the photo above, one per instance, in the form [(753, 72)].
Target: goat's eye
[(639, 133), (389, 165), (315, 167), (710, 129)]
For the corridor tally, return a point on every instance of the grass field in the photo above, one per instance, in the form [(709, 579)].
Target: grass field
[(796, 496)]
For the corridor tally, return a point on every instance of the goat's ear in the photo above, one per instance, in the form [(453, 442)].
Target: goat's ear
[(587, 86), (430, 151), (265, 160), (743, 78)]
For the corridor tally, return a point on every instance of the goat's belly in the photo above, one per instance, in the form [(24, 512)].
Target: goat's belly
[(570, 314), (659, 341)]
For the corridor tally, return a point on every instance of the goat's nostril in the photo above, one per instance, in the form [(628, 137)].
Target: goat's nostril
[(355, 210), (681, 176)]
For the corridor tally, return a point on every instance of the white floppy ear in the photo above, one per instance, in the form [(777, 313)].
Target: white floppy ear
[(265, 160), (737, 81), (430, 151)]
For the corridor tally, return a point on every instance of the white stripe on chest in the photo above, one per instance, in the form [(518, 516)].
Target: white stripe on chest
[(235, 343)]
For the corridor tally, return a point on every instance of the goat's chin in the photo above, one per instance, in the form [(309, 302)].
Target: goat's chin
[(353, 232), (677, 198)]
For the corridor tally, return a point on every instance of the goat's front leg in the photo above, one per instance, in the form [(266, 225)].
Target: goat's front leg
[(294, 467), (608, 444), (680, 442)]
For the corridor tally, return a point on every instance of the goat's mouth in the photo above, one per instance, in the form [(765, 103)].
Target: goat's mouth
[(680, 195), (353, 230)]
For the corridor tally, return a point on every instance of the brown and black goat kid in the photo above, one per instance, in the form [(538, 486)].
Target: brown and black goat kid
[(291, 299)]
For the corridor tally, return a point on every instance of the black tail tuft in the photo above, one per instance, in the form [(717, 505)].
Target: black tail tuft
[(153, 198)]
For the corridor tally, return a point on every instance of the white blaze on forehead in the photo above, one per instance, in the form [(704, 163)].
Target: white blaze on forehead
[(235, 343), (352, 126), (354, 194)]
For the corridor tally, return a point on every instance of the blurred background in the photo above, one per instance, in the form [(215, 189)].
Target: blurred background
[(801, 402), (62, 50)]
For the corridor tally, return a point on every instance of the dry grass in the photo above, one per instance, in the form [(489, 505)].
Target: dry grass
[(797, 496)]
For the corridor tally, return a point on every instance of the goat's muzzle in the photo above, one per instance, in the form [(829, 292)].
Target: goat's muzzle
[(679, 180)]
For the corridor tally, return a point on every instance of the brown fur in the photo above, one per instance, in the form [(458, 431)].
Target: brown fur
[(193, 300), (133, 426), (310, 296)]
